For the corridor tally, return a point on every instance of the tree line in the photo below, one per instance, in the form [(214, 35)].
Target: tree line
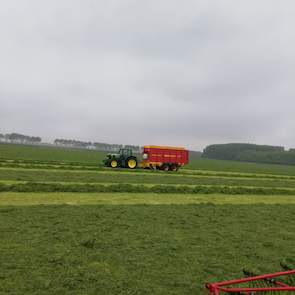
[(94, 145), (19, 138), (25, 139), (250, 153)]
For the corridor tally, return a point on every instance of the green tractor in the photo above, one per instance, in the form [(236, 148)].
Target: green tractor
[(124, 159)]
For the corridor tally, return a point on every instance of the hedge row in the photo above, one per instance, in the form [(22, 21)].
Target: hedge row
[(130, 188)]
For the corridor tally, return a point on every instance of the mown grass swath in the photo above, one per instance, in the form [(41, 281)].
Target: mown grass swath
[(44, 175), (139, 188)]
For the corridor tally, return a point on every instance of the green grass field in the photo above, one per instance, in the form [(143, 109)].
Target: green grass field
[(70, 226), (138, 249), (87, 157), (49, 154)]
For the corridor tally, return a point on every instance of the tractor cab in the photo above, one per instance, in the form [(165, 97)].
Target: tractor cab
[(125, 152), (124, 159)]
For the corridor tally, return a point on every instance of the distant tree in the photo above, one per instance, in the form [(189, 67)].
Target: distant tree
[(6, 137), (250, 153), (195, 155), (20, 138), (36, 139)]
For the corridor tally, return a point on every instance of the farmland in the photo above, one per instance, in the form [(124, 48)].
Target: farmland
[(70, 226)]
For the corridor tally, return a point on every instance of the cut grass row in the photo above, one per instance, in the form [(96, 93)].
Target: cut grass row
[(86, 168), (140, 188), (137, 178), (134, 184), (148, 185), (47, 166), (39, 162), (32, 199)]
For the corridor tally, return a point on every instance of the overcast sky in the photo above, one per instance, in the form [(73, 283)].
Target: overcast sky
[(187, 73)]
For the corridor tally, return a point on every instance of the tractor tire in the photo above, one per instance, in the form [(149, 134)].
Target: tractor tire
[(114, 164), (131, 163)]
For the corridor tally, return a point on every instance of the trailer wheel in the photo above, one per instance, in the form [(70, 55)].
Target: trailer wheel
[(173, 167), (165, 167)]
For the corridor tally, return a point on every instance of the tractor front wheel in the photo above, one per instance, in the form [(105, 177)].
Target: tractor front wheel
[(114, 164), (132, 163)]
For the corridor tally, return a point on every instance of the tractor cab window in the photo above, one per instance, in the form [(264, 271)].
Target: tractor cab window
[(125, 152)]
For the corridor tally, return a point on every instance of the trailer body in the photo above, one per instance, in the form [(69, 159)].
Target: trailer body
[(164, 157)]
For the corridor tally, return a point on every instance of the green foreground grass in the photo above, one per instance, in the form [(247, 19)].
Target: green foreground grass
[(137, 249)]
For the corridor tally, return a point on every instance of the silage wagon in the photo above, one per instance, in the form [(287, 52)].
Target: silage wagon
[(164, 157), (153, 157)]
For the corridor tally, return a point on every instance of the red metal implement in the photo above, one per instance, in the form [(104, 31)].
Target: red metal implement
[(240, 286)]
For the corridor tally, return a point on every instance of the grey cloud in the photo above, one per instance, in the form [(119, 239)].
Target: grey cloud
[(163, 72)]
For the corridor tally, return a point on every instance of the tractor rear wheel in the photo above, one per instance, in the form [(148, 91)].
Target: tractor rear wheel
[(114, 163), (132, 163)]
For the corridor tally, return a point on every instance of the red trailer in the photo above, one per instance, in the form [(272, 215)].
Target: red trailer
[(164, 157)]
